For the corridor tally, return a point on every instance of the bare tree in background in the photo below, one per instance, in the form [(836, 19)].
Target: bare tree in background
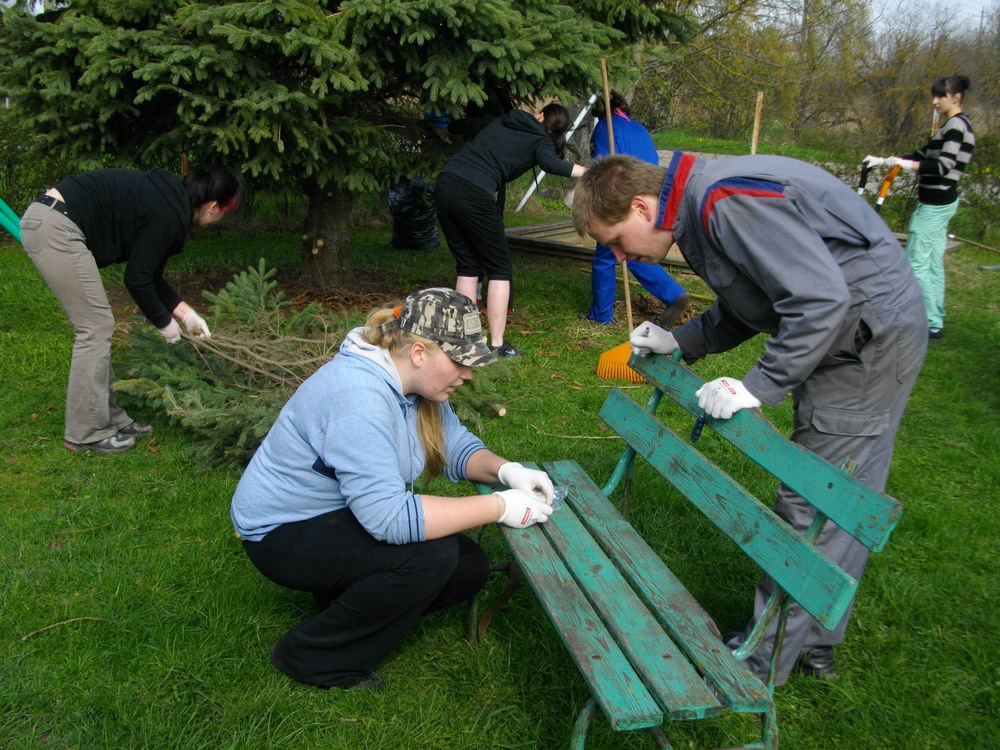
[(839, 72)]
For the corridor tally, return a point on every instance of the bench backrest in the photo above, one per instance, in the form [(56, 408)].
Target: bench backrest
[(820, 586)]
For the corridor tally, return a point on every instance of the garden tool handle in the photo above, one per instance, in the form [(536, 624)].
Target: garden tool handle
[(887, 182), (863, 180)]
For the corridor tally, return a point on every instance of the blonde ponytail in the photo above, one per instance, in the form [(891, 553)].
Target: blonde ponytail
[(380, 331)]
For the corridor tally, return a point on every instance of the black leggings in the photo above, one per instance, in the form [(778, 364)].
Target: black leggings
[(370, 593)]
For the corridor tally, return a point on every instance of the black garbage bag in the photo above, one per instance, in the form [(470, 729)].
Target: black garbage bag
[(414, 220)]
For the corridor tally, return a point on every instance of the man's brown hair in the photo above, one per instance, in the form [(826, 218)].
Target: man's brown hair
[(606, 190)]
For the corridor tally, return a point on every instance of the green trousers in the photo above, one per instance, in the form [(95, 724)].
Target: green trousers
[(925, 241)]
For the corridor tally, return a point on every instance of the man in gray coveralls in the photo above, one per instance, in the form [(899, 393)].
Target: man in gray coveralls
[(792, 252)]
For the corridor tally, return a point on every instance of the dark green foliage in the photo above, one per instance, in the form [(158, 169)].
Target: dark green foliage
[(23, 173), (327, 96), (228, 390), (317, 91), (980, 191)]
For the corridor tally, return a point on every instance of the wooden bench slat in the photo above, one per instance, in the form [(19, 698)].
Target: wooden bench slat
[(869, 516), (678, 611), (619, 691), (665, 669), (816, 583)]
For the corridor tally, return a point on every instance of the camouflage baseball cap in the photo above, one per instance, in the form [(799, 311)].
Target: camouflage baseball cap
[(450, 320)]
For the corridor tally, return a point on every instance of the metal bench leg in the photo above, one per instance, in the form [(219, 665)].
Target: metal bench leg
[(770, 739), (476, 627), (660, 739), (581, 725)]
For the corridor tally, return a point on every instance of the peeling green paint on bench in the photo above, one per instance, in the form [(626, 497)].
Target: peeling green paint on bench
[(647, 650), (665, 596), (867, 515), (822, 588)]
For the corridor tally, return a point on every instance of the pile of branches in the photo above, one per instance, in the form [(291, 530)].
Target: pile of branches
[(227, 390)]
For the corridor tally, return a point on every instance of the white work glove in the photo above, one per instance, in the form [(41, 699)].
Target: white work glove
[(196, 324), (522, 510), (873, 161), (723, 397), (894, 161), (648, 338), (171, 332), (534, 481)]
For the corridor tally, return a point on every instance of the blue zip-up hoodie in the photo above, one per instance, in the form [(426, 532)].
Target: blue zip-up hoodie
[(347, 438)]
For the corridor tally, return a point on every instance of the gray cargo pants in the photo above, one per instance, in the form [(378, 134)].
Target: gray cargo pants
[(59, 251), (849, 410)]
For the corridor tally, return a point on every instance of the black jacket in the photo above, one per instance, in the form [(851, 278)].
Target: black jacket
[(504, 150), (136, 218)]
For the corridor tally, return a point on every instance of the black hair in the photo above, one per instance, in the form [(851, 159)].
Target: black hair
[(219, 184), (617, 102), (555, 118), (950, 85)]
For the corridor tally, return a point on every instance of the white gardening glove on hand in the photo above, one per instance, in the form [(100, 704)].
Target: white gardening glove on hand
[(873, 161), (894, 161), (171, 332), (522, 510), (649, 338), (534, 481), (196, 324), (723, 397)]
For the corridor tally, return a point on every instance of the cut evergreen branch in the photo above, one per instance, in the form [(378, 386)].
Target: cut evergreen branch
[(228, 389)]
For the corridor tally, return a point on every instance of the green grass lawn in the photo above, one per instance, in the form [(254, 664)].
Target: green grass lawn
[(171, 623)]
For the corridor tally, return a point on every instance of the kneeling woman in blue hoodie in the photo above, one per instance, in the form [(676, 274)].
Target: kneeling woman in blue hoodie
[(327, 503)]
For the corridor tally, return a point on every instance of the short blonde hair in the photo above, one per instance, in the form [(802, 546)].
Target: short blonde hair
[(605, 191)]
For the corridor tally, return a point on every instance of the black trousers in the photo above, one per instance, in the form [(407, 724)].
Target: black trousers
[(472, 222), (370, 593)]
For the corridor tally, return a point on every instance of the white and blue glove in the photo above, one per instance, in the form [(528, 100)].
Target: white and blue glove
[(533, 481), (723, 397), (649, 338), (522, 510)]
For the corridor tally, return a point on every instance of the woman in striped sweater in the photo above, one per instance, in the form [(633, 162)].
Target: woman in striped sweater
[(938, 165)]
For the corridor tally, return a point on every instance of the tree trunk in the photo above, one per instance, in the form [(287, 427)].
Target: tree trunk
[(326, 246)]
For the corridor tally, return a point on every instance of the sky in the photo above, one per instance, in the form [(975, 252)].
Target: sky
[(969, 11), (964, 12)]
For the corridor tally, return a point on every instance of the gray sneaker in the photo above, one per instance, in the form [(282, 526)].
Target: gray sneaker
[(136, 429), (115, 444)]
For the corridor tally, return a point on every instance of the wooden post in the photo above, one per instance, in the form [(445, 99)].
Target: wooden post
[(756, 122)]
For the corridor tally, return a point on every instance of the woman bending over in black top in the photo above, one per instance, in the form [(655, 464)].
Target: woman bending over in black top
[(91, 220), (469, 198)]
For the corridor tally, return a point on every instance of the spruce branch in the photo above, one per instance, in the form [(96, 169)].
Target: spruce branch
[(228, 389)]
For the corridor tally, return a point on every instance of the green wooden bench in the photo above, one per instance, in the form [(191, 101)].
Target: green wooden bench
[(646, 648)]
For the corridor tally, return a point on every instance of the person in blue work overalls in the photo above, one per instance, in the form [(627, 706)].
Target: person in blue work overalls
[(631, 138)]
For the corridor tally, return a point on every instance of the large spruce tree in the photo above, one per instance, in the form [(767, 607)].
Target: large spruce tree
[(316, 93)]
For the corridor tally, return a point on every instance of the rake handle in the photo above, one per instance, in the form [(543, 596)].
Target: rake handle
[(611, 149)]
